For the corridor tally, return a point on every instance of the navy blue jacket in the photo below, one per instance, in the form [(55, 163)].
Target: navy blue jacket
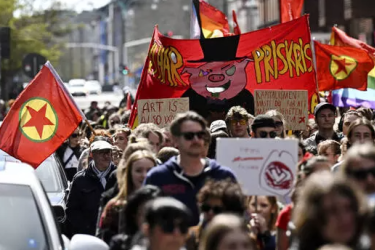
[(169, 177)]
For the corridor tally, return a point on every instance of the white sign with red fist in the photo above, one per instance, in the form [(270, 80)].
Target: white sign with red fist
[(262, 166)]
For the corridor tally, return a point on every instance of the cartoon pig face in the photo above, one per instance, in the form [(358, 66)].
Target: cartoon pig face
[(219, 80)]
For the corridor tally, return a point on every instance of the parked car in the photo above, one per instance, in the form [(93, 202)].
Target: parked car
[(27, 217), (93, 87), (77, 82), (78, 90), (26, 214), (55, 183)]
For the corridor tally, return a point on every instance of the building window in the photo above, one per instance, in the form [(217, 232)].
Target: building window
[(322, 13)]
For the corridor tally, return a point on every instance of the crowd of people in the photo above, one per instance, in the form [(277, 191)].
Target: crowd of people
[(161, 188)]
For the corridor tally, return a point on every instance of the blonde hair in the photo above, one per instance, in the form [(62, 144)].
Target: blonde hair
[(124, 177)]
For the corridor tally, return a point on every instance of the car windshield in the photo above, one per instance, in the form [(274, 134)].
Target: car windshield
[(21, 224), (77, 86), (48, 175)]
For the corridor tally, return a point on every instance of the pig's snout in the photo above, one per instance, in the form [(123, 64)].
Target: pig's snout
[(216, 77)]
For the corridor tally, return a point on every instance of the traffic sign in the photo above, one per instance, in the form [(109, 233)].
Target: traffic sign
[(32, 63)]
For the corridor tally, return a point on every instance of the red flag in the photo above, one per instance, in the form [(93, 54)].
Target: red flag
[(225, 71), (340, 38), (342, 67), (40, 120), (212, 21), (128, 102), (290, 9), (236, 27)]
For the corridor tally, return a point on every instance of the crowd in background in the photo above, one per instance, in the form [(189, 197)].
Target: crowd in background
[(161, 188)]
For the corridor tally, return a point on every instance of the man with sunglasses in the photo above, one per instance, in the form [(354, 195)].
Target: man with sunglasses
[(359, 166), (263, 127), (183, 176), (165, 224), (69, 153), (87, 188), (237, 121)]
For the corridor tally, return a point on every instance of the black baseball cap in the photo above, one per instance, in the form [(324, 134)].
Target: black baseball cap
[(262, 121), (324, 105)]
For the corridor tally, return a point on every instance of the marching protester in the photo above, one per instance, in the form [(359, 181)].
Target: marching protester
[(183, 176), (69, 153), (152, 133), (214, 198), (325, 115), (263, 212), (331, 150), (347, 119), (226, 232), (165, 225), (121, 137), (87, 187), (263, 127), (130, 178), (237, 120), (335, 201), (279, 122)]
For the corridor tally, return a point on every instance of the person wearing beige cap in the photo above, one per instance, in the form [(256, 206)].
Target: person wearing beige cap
[(87, 188)]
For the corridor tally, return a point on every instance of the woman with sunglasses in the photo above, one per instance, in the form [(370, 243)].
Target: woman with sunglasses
[(214, 198), (227, 232), (263, 212), (69, 153), (279, 122), (129, 178)]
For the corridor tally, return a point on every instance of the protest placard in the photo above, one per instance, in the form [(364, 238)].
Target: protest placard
[(161, 111), (262, 166), (293, 104)]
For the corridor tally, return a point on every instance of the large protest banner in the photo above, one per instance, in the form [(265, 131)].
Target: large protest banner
[(291, 103), (262, 166), (225, 71), (161, 111)]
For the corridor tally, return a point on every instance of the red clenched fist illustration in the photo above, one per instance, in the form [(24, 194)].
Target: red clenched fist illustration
[(276, 175)]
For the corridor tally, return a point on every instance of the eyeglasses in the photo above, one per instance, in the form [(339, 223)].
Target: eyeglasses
[(75, 135), (168, 227), (279, 124), (207, 208), (190, 135), (241, 122), (264, 134), (361, 174)]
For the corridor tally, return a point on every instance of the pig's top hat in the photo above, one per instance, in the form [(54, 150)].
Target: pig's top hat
[(219, 49)]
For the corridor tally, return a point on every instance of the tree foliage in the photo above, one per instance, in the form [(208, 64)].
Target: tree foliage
[(33, 31)]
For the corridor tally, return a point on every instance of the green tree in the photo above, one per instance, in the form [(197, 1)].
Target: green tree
[(37, 31)]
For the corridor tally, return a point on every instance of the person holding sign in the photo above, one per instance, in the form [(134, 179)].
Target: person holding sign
[(183, 176), (263, 127), (237, 120)]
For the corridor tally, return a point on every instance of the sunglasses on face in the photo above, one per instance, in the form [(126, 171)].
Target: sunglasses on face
[(190, 135), (241, 122), (215, 209), (362, 174), (264, 134), (168, 227), (75, 135)]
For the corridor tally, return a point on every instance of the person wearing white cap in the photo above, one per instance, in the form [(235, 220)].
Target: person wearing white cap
[(87, 187)]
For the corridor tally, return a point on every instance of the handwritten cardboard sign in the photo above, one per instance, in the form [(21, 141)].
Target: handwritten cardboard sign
[(262, 166), (293, 104), (161, 111)]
